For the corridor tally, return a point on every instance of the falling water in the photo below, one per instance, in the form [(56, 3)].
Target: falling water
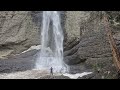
[(51, 54)]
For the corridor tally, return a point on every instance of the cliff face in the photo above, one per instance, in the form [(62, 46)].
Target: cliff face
[(21, 29), (18, 31), (73, 23), (86, 46)]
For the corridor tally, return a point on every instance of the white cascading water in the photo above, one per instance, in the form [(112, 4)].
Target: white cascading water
[(51, 54)]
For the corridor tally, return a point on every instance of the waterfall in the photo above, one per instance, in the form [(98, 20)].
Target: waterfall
[(51, 53)]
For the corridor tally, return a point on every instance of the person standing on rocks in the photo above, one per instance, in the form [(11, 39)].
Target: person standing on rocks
[(51, 71)]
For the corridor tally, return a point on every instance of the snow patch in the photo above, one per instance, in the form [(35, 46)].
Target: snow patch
[(38, 47), (75, 76)]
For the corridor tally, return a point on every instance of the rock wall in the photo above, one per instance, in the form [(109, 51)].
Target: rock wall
[(73, 23), (18, 31), (87, 47)]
